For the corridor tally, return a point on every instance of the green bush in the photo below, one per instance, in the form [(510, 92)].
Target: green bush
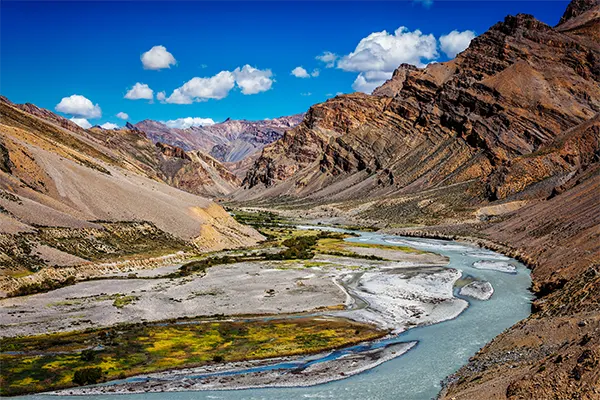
[(87, 375)]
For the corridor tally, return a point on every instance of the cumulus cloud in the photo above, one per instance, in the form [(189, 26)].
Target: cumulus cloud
[(109, 125), (367, 81), (79, 106), (183, 123), (140, 91), (249, 79), (379, 54), (328, 58), (82, 122), (300, 72), (161, 96), (455, 42), (123, 115), (252, 80), (382, 51), (201, 89), (157, 58), (306, 94)]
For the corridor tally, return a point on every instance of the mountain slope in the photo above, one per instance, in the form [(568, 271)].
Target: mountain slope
[(514, 89), (195, 172), (55, 183)]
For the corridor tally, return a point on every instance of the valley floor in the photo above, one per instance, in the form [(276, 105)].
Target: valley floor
[(137, 323)]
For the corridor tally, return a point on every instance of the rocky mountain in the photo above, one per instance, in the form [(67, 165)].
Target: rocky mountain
[(485, 115), (194, 171), (229, 141), (501, 146), (74, 197)]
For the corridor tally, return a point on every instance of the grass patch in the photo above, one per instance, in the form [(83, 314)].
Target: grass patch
[(63, 360), (122, 300), (298, 245)]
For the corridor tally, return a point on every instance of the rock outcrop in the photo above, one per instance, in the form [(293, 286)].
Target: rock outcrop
[(194, 172), (518, 88)]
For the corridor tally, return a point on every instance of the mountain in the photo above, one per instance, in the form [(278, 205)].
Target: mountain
[(500, 146), (76, 196), (482, 116), (228, 141), (194, 171)]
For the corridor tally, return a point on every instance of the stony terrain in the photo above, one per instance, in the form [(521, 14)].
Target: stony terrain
[(194, 171)]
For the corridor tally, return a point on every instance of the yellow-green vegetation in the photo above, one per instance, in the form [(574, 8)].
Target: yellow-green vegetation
[(121, 300), (295, 244), (61, 360), (331, 245)]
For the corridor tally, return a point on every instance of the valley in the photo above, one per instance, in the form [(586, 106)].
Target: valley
[(380, 292), (438, 237)]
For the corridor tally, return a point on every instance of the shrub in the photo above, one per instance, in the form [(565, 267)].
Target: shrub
[(87, 375), (88, 355)]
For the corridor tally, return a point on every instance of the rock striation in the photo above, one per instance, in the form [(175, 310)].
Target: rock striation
[(500, 113), (229, 141)]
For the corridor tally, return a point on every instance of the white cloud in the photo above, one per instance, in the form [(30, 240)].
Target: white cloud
[(140, 91), (158, 58), (123, 115), (79, 106), (252, 80), (300, 72), (382, 51), (82, 122), (306, 94), (161, 96), (249, 79), (183, 123), (455, 42), (328, 58), (367, 81), (379, 54), (109, 125), (201, 89)]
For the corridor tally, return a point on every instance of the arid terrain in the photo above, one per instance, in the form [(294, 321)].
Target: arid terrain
[(500, 146), (141, 250)]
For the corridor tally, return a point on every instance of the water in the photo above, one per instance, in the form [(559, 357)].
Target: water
[(441, 350)]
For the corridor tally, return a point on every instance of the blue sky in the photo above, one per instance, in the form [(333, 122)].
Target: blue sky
[(50, 51)]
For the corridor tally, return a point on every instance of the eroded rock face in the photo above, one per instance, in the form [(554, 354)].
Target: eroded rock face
[(576, 8), (172, 151), (498, 113)]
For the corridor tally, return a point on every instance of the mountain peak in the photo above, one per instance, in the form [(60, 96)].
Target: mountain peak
[(576, 8)]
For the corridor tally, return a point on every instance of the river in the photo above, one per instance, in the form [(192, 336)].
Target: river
[(441, 350)]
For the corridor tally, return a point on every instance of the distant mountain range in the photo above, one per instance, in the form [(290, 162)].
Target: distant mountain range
[(229, 141)]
